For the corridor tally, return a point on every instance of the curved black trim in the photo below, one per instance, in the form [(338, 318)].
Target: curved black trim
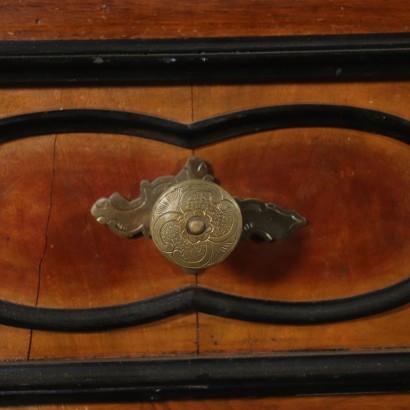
[(206, 60), (208, 131), (211, 377), (206, 301), (193, 136)]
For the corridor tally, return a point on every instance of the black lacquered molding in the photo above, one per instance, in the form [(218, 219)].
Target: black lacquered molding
[(210, 60), (208, 301), (192, 136), (211, 377), (308, 58), (207, 131)]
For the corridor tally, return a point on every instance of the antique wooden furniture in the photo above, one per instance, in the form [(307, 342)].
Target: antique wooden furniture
[(307, 107)]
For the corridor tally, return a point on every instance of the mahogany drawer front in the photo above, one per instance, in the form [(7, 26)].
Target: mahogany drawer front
[(351, 185)]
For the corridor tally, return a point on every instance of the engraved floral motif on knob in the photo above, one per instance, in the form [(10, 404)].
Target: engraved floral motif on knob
[(196, 224)]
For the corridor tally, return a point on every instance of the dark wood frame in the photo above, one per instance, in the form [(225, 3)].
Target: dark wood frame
[(210, 377), (253, 60), (211, 60)]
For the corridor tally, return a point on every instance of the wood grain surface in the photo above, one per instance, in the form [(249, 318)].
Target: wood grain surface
[(24, 201), (366, 249), (57, 255), (351, 186), (390, 97), (94, 19), (350, 190), (365, 402), (353, 243), (86, 265), (109, 269), (344, 166)]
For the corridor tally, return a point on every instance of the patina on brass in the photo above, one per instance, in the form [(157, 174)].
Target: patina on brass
[(196, 224), (132, 217), (193, 221)]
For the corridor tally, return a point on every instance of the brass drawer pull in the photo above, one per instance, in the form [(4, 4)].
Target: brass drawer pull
[(193, 221)]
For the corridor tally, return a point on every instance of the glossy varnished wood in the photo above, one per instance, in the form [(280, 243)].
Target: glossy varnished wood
[(375, 185), (352, 193), (383, 331), (103, 269), (80, 174), (24, 213), (365, 247), (123, 269), (365, 402), (81, 262), (85, 258), (390, 97), (91, 19), (24, 202)]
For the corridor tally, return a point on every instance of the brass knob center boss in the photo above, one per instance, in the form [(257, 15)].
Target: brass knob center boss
[(193, 221)]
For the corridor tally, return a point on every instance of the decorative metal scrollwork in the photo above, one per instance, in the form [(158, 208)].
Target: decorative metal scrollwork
[(130, 218), (193, 221)]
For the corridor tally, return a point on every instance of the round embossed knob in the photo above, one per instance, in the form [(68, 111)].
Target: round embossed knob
[(196, 224)]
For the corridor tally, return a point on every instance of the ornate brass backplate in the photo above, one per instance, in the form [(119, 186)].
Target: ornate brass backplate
[(193, 221)]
